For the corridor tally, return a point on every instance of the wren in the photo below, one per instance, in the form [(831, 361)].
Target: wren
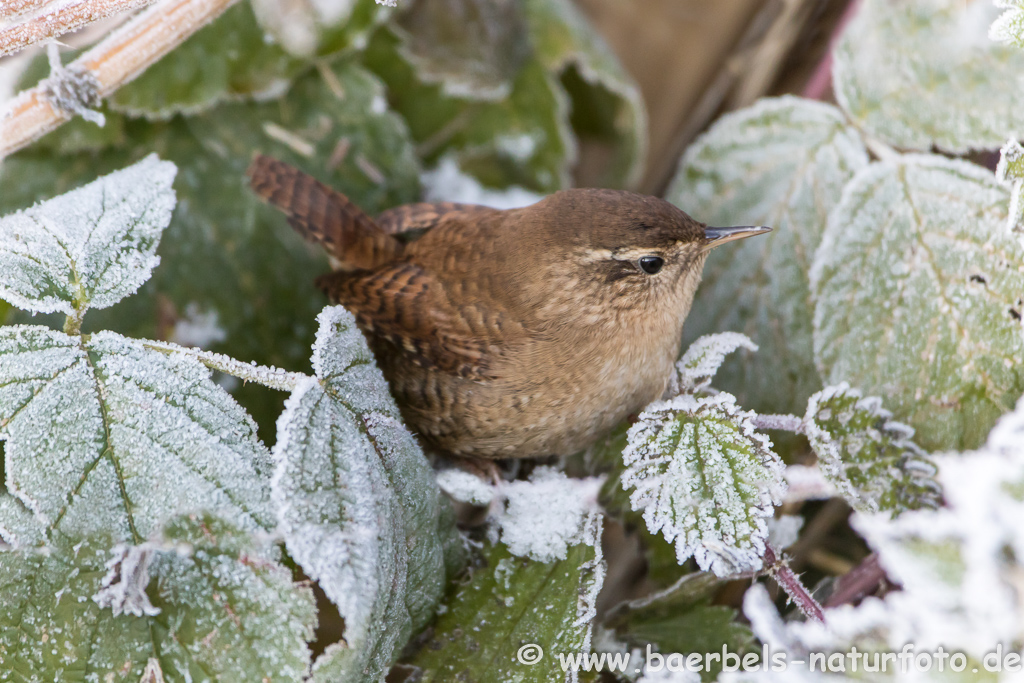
[(510, 333)]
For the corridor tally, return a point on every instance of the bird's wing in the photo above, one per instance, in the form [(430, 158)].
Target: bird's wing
[(408, 307), (409, 221), (323, 215)]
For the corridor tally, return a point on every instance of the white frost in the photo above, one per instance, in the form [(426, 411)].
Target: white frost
[(123, 589), (703, 357), (465, 487), (547, 514), (198, 328), (447, 182)]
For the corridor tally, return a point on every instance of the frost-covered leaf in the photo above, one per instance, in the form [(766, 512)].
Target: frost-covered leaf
[(90, 247), (225, 253), (607, 107), (870, 459), (106, 436), (781, 163), (919, 292), (510, 602), (1009, 26), (919, 73), (231, 59), (309, 27), (227, 611), (705, 356), (359, 506), (704, 479), (522, 139)]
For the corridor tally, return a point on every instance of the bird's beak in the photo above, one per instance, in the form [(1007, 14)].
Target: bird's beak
[(718, 236)]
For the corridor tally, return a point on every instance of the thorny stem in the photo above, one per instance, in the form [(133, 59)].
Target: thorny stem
[(116, 60), (63, 19), (790, 583)]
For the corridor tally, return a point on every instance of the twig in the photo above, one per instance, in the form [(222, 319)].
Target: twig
[(788, 423), (820, 82), (790, 583), (268, 376), (116, 60), (63, 19), (16, 8)]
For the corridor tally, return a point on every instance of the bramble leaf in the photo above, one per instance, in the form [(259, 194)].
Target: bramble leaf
[(510, 602), (90, 247), (781, 163), (705, 479), (132, 437), (924, 73), (358, 505), (918, 291), (869, 458), (225, 611)]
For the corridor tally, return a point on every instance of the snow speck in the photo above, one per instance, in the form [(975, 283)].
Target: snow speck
[(447, 182), (465, 487), (198, 328)]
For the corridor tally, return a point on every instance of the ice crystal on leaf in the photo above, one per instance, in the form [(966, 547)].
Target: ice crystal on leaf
[(358, 504), (705, 479), (222, 610), (869, 458), (781, 163), (90, 247), (918, 297), (919, 73), (131, 436), (548, 514), (1009, 26)]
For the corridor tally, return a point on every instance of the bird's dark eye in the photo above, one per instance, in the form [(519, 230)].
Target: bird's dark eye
[(651, 264)]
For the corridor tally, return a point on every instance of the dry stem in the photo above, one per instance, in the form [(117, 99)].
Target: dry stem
[(116, 60), (63, 19)]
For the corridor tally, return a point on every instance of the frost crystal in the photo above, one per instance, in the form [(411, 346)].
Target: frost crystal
[(705, 479), (919, 297), (1010, 170), (782, 163), (870, 459), (703, 357), (90, 247), (918, 73), (447, 182), (123, 589), (358, 504), (547, 514), (465, 487)]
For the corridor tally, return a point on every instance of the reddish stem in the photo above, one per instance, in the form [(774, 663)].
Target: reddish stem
[(820, 82), (790, 583)]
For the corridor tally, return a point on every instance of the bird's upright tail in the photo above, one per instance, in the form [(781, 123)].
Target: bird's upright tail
[(323, 215)]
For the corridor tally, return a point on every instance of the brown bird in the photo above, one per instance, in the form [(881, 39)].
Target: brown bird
[(516, 333)]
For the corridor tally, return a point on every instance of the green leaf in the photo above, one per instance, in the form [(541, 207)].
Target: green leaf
[(305, 29), (130, 437), (472, 49), (522, 139), (923, 73), (90, 247), (870, 459), (705, 479), (230, 264), (227, 611), (228, 60), (781, 163), (359, 506), (607, 107), (918, 297), (510, 602)]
